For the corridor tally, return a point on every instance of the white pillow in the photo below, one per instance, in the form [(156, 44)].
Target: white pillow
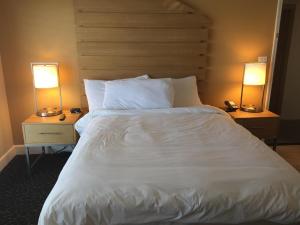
[(94, 90), (186, 92), (138, 94)]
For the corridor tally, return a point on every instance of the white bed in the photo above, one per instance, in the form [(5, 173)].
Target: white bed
[(171, 166)]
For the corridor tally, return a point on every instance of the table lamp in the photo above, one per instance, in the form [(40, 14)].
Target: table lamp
[(45, 76), (254, 75)]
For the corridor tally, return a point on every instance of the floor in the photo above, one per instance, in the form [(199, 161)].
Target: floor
[(289, 132), (22, 197), (290, 153)]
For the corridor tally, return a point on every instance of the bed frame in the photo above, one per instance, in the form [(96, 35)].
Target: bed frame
[(125, 38)]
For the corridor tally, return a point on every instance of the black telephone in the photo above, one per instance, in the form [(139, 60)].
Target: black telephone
[(75, 110), (230, 106)]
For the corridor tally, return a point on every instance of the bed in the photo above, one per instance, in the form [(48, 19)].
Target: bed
[(190, 165)]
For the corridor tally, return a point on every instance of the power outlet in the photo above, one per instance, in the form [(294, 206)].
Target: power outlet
[(262, 59)]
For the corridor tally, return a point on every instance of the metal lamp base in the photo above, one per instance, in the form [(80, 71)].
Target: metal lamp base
[(47, 112), (249, 108)]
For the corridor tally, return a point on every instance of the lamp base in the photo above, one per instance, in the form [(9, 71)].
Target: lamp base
[(47, 112), (249, 108)]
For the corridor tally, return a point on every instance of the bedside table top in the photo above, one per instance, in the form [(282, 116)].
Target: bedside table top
[(244, 115), (71, 118)]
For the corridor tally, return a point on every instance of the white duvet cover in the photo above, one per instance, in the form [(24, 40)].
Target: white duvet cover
[(180, 165)]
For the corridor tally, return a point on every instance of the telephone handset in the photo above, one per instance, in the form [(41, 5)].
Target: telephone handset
[(230, 106)]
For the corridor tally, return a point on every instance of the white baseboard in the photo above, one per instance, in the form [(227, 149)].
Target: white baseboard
[(7, 157), (16, 150), (20, 150)]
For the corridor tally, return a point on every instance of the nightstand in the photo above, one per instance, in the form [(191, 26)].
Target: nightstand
[(263, 125), (48, 131)]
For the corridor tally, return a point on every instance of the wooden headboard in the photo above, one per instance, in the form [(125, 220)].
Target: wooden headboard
[(125, 38)]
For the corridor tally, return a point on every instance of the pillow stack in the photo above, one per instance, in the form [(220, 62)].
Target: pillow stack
[(139, 94), (186, 92), (142, 93), (95, 89)]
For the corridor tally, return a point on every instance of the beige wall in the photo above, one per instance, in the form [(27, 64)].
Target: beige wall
[(6, 140), (241, 31), (35, 30), (291, 98), (44, 31)]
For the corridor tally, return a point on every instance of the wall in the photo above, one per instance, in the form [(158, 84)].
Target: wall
[(291, 95), (37, 30), (6, 140), (31, 31), (241, 31)]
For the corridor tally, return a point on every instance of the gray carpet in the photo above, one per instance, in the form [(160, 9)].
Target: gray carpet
[(21, 196), (289, 132)]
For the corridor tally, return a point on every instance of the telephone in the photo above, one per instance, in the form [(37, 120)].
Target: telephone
[(75, 110), (230, 106)]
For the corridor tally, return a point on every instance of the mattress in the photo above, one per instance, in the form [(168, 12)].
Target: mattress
[(171, 166)]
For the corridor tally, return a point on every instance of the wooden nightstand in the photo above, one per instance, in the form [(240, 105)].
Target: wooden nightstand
[(263, 125), (48, 131)]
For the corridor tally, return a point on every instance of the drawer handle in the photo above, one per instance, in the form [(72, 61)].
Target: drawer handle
[(51, 133)]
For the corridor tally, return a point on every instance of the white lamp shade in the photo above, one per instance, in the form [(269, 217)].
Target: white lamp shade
[(45, 75), (255, 74)]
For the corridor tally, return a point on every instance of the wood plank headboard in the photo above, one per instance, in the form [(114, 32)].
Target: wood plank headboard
[(125, 38)]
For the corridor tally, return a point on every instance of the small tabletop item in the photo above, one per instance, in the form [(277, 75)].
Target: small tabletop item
[(75, 110), (62, 117)]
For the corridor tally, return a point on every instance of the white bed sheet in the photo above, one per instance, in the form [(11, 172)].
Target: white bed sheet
[(180, 165)]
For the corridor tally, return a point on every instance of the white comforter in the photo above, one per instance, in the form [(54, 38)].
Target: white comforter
[(183, 165)]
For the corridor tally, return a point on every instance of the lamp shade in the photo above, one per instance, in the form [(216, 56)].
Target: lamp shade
[(255, 74), (45, 75)]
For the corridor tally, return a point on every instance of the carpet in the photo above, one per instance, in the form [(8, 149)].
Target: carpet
[(22, 196)]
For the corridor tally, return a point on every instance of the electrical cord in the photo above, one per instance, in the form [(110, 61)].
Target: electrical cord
[(57, 151)]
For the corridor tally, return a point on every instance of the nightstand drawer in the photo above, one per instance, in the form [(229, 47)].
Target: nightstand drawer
[(49, 134), (261, 127)]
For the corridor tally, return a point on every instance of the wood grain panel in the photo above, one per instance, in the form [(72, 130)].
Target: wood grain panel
[(154, 72), (142, 35), (141, 49), (261, 127), (41, 134), (141, 20), (110, 62), (126, 38), (133, 6)]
